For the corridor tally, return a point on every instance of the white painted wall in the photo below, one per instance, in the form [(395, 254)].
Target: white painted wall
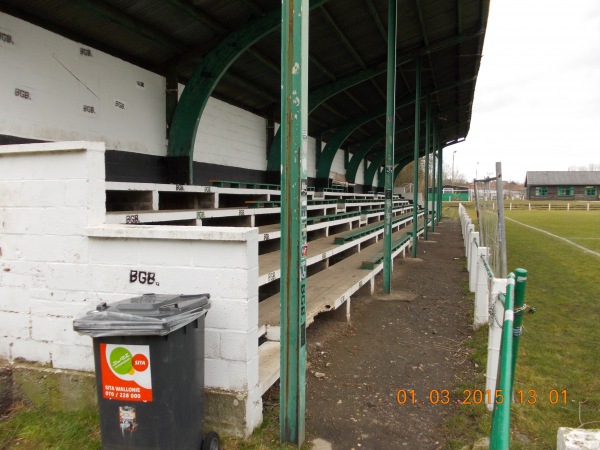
[(360, 174), (230, 136), (58, 259), (55, 81), (58, 81)]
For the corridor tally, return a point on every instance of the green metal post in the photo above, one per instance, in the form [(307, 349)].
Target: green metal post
[(389, 148), (440, 180), (521, 275), (433, 178), (427, 131), (500, 432), (416, 155), (294, 124)]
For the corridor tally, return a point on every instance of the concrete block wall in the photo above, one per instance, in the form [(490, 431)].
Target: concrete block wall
[(55, 89), (228, 135), (58, 260)]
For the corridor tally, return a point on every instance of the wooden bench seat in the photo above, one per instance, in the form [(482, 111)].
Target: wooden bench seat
[(359, 232), (371, 262)]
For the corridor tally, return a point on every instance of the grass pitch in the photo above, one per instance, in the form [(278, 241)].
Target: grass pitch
[(558, 370)]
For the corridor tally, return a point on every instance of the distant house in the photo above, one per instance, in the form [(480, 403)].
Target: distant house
[(564, 185)]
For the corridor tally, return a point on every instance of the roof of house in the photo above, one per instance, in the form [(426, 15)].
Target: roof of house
[(562, 178)]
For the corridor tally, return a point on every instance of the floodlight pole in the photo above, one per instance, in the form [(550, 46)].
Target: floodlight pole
[(416, 155), (389, 147), (294, 141)]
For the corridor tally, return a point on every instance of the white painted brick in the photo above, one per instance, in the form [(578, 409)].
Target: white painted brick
[(228, 315), (58, 221), (215, 373), (252, 275), (169, 280), (14, 325), (36, 193), (11, 275), (68, 298), (237, 375), (212, 343), (29, 350), (73, 357), (35, 166), (114, 251), (252, 312), (56, 308), (252, 371), (239, 346), (58, 330), (63, 276), (13, 299), (167, 253), (44, 248)]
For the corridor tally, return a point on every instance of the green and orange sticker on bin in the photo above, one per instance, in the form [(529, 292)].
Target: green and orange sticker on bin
[(126, 372)]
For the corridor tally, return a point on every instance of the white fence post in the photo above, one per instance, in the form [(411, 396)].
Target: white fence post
[(481, 289), (498, 286), (472, 259)]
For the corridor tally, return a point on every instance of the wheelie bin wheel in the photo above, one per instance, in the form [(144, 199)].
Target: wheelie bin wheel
[(211, 441)]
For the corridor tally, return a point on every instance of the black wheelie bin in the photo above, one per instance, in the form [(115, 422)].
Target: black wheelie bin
[(149, 360)]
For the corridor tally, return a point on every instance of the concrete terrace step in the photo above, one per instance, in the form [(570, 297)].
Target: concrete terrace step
[(273, 231), (321, 249), (268, 365), (328, 289)]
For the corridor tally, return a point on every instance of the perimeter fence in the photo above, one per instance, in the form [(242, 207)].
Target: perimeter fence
[(499, 302)]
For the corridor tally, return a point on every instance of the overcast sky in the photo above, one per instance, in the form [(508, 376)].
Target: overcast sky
[(537, 100)]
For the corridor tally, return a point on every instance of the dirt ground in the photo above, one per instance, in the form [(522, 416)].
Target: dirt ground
[(416, 345)]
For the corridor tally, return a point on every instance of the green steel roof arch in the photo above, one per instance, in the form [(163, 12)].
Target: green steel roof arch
[(373, 167), (378, 159), (359, 155), (317, 97), (340, 135), (314, 100), (208, 74)]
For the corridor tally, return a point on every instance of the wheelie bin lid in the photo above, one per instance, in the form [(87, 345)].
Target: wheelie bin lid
[(146, 315)]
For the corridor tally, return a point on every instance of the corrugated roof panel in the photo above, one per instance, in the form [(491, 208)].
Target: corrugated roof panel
[(563, 178)]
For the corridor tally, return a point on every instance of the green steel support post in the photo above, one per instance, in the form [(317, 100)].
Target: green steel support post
[(427, 130), (389, 147), (440, 180), (433, 179), (416, 155), (500, 432), (294, 124), (521, 275)]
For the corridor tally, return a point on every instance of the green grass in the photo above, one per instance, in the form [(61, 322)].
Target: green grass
[(560, 346), (38, 428), (581, 227)]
